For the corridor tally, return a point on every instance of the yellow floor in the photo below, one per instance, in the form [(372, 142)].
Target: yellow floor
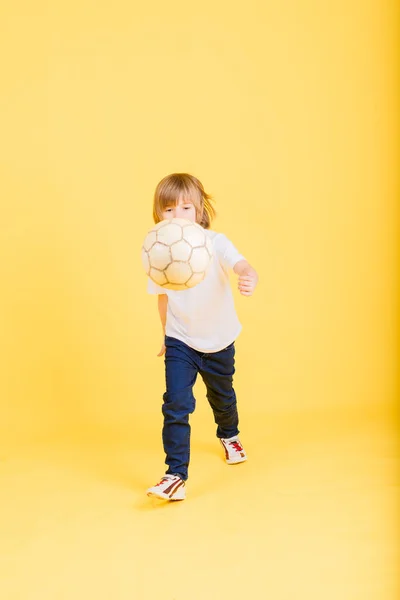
[(311, 515)]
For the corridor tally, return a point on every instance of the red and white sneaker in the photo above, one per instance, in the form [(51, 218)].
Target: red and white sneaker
[(171, 487), (234, 451)]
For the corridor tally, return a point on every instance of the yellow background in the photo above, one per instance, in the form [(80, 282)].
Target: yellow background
[(286, 111)]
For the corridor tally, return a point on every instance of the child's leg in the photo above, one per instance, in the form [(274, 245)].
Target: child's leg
[(181, 368), (217, 373)]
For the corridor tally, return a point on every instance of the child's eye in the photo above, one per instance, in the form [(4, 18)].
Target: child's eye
[(188, 207)]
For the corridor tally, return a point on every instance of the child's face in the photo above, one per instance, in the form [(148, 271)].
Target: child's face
[(184, 209)]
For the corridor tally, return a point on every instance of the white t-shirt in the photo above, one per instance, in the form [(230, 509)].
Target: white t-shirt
[(204, 317)]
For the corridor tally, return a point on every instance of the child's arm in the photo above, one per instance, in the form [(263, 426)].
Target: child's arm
[(162, 310), (248, 277)]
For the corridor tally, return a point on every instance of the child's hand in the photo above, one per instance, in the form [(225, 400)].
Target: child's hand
[(248, 277), (162, 351), (247, 283)]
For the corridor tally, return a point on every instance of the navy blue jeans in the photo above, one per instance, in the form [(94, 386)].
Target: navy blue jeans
[(182, 364)]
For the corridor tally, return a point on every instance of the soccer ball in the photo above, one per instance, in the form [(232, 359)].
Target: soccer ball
[(176, 254)]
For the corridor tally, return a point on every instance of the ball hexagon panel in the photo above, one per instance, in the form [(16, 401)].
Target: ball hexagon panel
[(178, 273), (160, 256), (195, 279), (145, 261), (199, 260), (194, 234), (169, 234), (181, 250), (158, 276), (149, 240)]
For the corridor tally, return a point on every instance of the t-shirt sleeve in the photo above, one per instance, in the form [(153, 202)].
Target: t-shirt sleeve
[(153, 288), (226, 252)]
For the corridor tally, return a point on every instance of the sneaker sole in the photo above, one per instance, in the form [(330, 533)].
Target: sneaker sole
[(162, 496), (235, 462)]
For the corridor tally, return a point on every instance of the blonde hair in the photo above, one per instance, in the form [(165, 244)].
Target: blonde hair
[(182, 185)]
